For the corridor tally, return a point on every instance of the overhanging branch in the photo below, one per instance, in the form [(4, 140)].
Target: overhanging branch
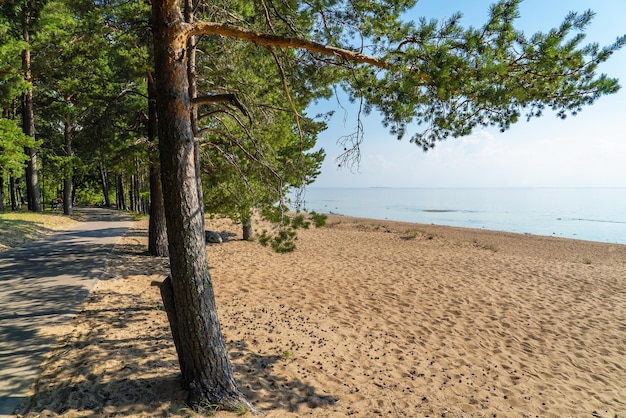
[(259, 38), (216, 99)]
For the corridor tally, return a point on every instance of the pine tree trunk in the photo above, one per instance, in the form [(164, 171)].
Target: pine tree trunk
[(105, 184), (67, 181), (117, 192), (190, 302), (32, 176), (67, 196), (12, 194), (247, 229), (131, 193), (137, 186), (2, 207), (193, 93), (28, 120), (157, 230), (120, 197), (32, 181)]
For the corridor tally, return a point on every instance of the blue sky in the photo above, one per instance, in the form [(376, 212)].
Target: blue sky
[(588, 150)]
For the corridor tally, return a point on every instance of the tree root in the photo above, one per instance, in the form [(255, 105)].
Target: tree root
[(199, 400)]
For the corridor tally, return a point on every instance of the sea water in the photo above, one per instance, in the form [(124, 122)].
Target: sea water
[(592, 214)]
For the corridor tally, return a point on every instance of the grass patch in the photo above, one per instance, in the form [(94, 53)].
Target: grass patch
[(138, 216), (16, 228), (411, 234), (488, 247), (242, 409)]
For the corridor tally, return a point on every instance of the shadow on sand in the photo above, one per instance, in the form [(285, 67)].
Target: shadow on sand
[(105, 366)]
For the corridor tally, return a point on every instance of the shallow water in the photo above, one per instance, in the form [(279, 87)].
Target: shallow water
[(593, 214)]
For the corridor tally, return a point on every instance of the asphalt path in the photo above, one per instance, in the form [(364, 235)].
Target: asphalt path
[(42, 284)]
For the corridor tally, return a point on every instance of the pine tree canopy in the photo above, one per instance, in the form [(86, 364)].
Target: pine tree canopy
[(430, 79)]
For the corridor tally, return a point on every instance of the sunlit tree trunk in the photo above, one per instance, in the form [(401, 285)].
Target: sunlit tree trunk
[(188, 293), (193, 91)]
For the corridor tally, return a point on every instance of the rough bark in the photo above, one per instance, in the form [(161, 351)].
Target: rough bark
[(204, 363), (157, 229), (167, 294), (193, 93)]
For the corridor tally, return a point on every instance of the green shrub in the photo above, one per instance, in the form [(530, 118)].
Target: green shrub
[(298, 221), (283, 242), (319, 219)]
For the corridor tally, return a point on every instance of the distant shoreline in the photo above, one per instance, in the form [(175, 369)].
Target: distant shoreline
[(462, 229), (587, 214)]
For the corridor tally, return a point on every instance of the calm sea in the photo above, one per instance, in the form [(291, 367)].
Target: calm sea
[(592, 214)]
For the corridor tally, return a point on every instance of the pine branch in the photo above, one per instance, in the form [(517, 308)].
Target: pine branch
[(259, 38), (225, 98)]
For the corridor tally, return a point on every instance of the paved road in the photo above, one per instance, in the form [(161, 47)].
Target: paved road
[(42, 283)]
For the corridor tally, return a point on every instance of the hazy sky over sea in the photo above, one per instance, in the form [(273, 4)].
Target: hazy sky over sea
[(587, 150)]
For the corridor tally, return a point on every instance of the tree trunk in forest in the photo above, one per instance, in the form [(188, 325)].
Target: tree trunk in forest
[(118, 185), (119, 193), (67, 181), (139, 205), (188, 297), (32, 181), (137, 187), (12, 194), (67, 196), (28, 120), (32, 177), (247, 229), (18, 192), (157, 229), (104, 180), (131, 194), (2, 207)]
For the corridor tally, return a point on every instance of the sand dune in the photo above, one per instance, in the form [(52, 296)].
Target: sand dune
[(366, 319)]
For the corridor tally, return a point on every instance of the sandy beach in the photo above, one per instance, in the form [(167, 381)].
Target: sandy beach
[(366, 319)]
